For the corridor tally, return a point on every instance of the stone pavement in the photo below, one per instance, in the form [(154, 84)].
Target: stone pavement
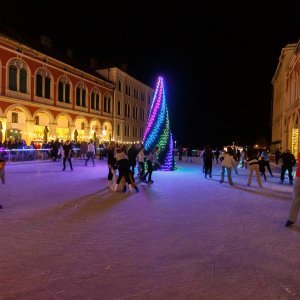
[(65, 235)]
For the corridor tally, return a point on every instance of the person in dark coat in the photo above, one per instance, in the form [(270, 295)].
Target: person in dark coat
[(67, 154), (124, 170), (288, 161), (180, 152), (208, 157), (132, 155), (111, 163), (277, 155)]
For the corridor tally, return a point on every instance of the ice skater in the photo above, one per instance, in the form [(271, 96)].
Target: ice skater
[(67, 154), (150, 159)]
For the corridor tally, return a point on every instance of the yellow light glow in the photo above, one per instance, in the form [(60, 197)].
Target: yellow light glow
[(295, 141)]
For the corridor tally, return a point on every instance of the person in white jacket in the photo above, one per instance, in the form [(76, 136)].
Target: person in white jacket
[(227, 163)]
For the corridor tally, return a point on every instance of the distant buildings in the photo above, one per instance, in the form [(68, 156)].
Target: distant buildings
[(41, 94), (286, 100), (132, 100)]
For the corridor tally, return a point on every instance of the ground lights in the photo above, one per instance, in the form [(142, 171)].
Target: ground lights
[(158, 129)]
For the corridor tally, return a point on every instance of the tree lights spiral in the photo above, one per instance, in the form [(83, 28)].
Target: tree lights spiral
[(158, 131)]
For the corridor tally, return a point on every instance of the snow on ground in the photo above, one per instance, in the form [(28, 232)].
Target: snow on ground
[(65, 235)]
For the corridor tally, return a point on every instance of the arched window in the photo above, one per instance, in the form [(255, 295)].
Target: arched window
[(23, 80), (13, 78), (64, 90), (107, 105), (17, 76), (39, 85), (43, 84), (118, 130), (81, 95), (95, 99), (47, 87)]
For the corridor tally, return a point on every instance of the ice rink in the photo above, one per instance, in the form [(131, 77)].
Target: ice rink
[(65, 235)]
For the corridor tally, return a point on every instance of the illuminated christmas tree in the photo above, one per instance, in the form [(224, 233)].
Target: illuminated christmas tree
[(158, 131)]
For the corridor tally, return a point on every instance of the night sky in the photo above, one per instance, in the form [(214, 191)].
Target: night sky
[(217, 59)]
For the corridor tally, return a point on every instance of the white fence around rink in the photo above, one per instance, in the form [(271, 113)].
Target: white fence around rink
[(13, 155)]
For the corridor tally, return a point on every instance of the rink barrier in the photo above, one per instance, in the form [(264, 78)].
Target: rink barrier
[(11, 155)]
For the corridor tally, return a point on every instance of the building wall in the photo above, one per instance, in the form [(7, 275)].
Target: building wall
[(135, 98), (286, 100), (62, 119)]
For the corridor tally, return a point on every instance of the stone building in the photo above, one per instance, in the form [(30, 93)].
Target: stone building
[(132, 100), (41, 94), (286, 100)]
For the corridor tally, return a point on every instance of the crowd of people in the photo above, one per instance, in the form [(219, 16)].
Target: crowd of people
[(254, 159), (19, 150), (125, 160), (122, 162)]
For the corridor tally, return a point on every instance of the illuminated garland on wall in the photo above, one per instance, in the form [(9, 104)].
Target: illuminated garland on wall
[(158, 131)]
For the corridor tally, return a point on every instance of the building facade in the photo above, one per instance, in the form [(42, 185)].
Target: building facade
[(286, 100), (41, 96), (132, 100)]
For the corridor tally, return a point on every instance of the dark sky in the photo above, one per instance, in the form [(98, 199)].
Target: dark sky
[(218, 59)]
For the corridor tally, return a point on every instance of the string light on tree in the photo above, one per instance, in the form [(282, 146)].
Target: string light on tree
[(158, 131)]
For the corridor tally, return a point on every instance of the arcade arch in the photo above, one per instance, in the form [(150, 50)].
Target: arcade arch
[(18, 124), (106, 134), (81, 128), (95, 130), (42, 120), (63, 122)]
